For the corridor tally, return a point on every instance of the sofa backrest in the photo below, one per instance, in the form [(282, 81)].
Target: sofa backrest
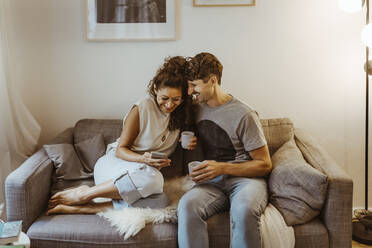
[(277, 131), (88, 128)]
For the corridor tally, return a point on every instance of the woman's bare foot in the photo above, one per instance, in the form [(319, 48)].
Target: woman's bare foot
[(90, 208), (70, 197)]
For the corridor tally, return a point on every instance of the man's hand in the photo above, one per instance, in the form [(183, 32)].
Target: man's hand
[(207, 170), (155, 162)]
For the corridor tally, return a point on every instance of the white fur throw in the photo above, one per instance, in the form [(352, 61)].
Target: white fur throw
[(129, 221)]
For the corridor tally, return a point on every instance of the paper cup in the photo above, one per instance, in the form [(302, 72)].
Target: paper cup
[(192, 165), (186, 137)]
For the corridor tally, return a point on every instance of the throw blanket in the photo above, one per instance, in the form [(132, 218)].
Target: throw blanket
[(129, 221)]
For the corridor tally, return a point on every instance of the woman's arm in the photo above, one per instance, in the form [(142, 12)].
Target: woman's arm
[(127, 137)]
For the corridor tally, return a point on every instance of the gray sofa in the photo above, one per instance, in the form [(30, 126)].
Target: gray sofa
[(28, 191)]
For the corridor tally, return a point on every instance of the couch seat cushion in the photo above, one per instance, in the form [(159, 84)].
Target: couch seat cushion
[(93, 231), (312, 234)]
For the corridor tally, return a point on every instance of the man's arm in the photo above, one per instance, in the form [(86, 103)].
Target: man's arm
[(259, 166)]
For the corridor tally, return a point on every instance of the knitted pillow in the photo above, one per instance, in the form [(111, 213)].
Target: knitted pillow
[(296, 189)]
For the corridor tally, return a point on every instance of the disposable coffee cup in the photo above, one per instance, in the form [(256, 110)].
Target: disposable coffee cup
[(192, 165), (186, 137)]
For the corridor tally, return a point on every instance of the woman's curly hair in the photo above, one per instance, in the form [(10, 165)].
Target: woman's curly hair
[(172, 74)]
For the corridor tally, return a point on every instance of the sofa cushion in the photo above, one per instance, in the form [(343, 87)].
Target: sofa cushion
[(93, 231), (277, 132), (69, 172), (296, 189), (66, 162), (90, 150), (88, 128)]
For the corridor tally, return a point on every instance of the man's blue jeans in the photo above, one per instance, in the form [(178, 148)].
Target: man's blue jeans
[(247, 199)]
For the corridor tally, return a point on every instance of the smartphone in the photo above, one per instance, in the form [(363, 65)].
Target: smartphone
[(159, 155)]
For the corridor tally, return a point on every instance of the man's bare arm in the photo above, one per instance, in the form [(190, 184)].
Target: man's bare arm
[(259, 166)]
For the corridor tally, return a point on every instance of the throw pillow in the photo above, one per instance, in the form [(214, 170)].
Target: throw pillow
[(296, 189), (90, 150), (66, 162)]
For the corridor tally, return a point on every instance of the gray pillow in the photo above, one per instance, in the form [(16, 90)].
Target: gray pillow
[(90, 150), (296, 189), (66, 162)]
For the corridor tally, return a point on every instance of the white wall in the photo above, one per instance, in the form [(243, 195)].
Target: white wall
[(299, 59)]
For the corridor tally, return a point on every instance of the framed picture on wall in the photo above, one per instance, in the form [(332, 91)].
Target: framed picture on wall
[(130, 20), (221, 3)]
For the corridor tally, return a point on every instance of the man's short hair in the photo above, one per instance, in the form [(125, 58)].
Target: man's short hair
[(203, 66)]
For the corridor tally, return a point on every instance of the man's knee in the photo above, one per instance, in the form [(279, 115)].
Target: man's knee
[(187, 206), (245, 213)]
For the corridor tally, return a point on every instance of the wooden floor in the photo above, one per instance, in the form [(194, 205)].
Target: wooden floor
[(358, 245)]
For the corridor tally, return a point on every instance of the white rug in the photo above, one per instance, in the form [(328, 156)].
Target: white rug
[(129, 221)]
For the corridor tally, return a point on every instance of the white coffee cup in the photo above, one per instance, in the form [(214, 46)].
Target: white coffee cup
[(186, 137), (192, 165)]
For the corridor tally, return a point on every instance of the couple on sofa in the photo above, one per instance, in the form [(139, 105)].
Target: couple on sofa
[(234, 146)]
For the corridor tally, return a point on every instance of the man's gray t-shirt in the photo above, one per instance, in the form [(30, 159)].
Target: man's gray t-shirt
[(228, 132)]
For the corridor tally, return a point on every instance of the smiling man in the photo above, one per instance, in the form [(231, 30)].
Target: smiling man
[(237, 159)]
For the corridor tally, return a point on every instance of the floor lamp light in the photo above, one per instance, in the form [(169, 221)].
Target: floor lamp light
[(362, 228)]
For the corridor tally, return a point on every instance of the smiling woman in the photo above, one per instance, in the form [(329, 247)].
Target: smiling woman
[(128, 174), (168, 99)]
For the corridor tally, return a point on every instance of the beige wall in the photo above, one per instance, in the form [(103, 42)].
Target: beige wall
[(299, 59)]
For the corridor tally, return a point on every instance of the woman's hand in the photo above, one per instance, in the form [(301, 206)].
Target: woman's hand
[(155, 162), (192, 143)]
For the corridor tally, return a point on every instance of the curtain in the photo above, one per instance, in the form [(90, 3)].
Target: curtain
[(19, 131)]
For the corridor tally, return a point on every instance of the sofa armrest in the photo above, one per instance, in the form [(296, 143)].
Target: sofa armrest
[(27, 188), (337, 210)]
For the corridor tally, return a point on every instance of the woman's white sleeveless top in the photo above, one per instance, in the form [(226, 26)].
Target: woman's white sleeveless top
[(154, 134)]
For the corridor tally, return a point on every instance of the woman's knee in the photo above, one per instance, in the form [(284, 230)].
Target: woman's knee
[(152, 183)]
